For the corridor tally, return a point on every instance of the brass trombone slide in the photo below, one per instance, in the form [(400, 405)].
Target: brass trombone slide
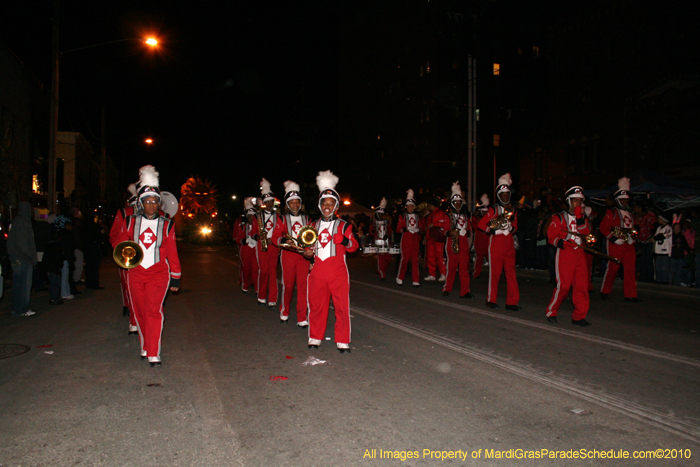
[(594, 252)]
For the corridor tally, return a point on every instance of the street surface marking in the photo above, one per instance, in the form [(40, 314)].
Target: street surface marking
[(546, 327), (633, 410)]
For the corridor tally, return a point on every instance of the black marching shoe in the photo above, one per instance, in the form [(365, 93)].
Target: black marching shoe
[(344, 350), (514, 307), (552, 319), (580, 322), (467, 295), (311, 346), (56, 302), (445, 294), (155, 364), (632, 299), (125, 311), (492, 305), (603, 296)]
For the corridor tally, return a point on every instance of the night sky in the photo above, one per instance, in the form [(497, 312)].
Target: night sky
[(217, 97)]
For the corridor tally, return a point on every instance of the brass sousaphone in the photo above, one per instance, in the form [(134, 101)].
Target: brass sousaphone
[(128, 254), (306, 238)]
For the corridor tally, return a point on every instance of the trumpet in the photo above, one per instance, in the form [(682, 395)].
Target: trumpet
[(306, 238), (128, 254), (623, 233), (501, 221), (588, 238)]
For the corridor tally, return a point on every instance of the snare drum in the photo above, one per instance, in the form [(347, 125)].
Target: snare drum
[(395, 250), (369, 249), (383, 250)]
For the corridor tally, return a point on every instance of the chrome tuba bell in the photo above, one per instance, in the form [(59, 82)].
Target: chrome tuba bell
[(128, 254), (169, 203)]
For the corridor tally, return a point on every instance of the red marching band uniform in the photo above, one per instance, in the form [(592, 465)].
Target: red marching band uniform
[(267, 260), (435, 241), (114, 232), (295, 268), (501, 249), (379, 229), (148, 283), (459, 221), (571, 261), (243, 236), (410, 227), (329, 277), (620, 248)]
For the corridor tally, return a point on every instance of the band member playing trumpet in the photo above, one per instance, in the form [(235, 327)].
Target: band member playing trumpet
[(501, 222), (246, 245), (457, 245), (481, 239), (617, 227), (329, 277), (565, 233), (295, 267), (409, 227), (160, 268), (267, 230), (379, 229)]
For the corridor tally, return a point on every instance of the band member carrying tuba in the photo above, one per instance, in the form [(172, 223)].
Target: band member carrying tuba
[(380, 229), (457, 245), (329, 277), (501, 222), (267, 231), (566, 232), (620, 243), (160, 268), (295, 267), (410, 227)]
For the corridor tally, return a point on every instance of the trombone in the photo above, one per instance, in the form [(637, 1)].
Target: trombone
[(128, 254), (306, 238)]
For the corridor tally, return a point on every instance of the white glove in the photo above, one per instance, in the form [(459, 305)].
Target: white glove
[(588, 210), (251, 242), (620, 241)]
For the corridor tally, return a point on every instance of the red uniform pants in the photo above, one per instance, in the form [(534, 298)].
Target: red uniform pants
[(628, 258), (295, 271), (123, 280), (410, 251), (147, 291), (502, 259), (589, 266), (481, 246), (434, 261), (249, 266), (267, 274), (329, 279), (383, 261), (572, 273), (459, 261)]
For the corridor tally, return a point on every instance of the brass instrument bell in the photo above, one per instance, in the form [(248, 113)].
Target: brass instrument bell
[(306, 238), (128, 254)]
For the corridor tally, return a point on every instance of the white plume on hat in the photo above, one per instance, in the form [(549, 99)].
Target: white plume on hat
[(623, 184), (409, 194), (326, 180), (456, 189), (265, 186), (485, 200), (248, 203), (290, 186), (132, 189), (382, 203), (505, 180), (148, 176)]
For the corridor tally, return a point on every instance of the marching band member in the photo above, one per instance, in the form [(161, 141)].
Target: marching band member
[(148, 283), (267, 251), (329, 277), (501, 245), (295, 268), (410, 227), (246, 245), (570, 263), (620, 245), (117, 226), (481, 239), (460, 230), (379, 229), (436, 224)]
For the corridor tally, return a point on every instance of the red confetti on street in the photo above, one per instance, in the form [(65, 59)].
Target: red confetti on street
[(278, 378), (43, 346), (289, 358)]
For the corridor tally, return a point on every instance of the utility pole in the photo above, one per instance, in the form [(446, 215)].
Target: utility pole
[(53, 129), (471, 132)]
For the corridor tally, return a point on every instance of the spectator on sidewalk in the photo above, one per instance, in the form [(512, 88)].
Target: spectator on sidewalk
[(645, 220), (688, 272), (662, 249), (679, 247), (22, 252)]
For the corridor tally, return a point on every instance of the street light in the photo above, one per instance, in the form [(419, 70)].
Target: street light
[(149, 141), (53, 130)]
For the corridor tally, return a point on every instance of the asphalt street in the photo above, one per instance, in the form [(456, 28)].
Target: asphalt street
[(431, 380)]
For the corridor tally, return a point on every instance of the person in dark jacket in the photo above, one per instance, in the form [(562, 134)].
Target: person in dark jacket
[(22, 252), (52, 263), (679, 246)]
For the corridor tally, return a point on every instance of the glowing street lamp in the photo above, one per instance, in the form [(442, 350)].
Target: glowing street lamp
[(152, 41), (149, 141), (346, 202)]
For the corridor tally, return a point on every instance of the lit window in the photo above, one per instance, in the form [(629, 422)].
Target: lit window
[(496, 69), (427, 68), (535, 51), (496, 140), (477, 115)]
